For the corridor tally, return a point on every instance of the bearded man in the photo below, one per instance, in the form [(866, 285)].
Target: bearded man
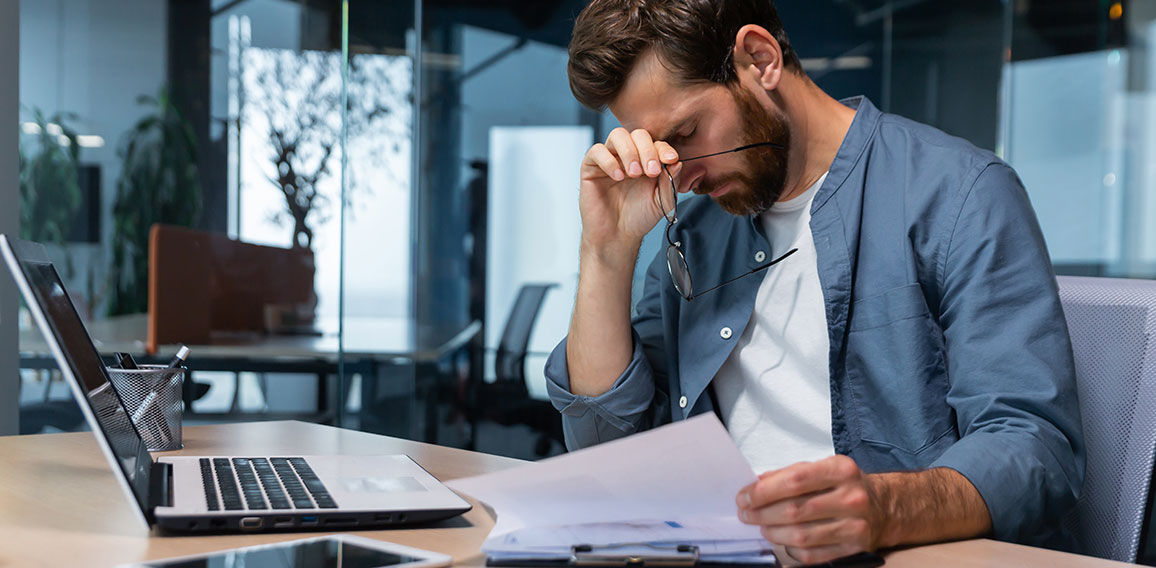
[(866, 302)]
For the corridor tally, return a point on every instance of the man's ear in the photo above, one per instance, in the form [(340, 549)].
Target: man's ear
[(759, 54)]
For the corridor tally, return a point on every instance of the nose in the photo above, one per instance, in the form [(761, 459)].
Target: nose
[(688, 177)]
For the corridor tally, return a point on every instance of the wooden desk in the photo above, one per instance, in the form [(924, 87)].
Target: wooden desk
[(60, 506)]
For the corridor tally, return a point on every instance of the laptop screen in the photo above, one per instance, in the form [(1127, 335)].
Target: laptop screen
[(82, 358)]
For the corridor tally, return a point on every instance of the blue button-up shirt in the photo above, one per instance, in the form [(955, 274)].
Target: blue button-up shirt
[(948, 344)]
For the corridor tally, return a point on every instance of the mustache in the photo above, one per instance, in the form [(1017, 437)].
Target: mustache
[(707, 185)]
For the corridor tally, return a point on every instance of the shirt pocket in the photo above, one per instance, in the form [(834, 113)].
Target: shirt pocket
[(897, 372), (893, 305)]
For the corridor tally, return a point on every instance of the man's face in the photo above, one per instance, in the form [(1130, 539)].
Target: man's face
[(708, 118)]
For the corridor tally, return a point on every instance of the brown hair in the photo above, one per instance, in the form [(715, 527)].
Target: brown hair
[(695, 38)]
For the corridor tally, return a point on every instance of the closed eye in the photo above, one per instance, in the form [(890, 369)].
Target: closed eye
[(680, 139)]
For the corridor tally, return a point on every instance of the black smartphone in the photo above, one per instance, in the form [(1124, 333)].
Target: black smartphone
[(125, 361)]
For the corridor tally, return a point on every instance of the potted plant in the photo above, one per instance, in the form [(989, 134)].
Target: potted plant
[(158, 184), (49, 182)]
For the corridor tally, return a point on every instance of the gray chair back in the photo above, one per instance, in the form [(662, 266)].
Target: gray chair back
[(1112, 323)]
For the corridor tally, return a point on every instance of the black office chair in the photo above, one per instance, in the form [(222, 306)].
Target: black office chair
[(63, 415), (507, 400)]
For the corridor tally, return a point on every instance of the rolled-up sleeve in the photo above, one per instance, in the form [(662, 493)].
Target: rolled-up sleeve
[(638, 400), (589, 420), (1012, 376)]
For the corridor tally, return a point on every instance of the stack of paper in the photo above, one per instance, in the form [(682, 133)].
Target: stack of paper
[(644, 495)]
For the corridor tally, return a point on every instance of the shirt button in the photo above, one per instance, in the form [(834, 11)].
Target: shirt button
[(725, 333), (760, 256), (682, 402)]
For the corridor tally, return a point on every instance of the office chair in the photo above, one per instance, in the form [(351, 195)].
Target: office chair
[(63, 415), (1112, 323), (507, 400)]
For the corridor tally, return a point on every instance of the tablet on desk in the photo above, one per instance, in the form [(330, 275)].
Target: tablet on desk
[(336, 551)]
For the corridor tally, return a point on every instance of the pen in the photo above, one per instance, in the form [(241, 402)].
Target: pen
[(179, 358)]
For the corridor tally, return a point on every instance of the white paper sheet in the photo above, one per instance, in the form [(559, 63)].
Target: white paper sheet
[(689, 471)]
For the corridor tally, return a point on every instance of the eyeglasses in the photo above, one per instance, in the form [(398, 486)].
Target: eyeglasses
[(675, 261)]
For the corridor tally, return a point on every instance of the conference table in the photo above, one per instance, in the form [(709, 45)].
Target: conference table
[(60, 505), (380, 338), (368, 346)]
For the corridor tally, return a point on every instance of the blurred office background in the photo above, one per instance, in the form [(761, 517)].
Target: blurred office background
[(416, 162)]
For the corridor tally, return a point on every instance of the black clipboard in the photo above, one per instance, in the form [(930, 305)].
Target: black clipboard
[(664, 556)]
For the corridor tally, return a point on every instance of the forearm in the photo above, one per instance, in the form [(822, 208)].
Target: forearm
[(926, 506), (599, 344)]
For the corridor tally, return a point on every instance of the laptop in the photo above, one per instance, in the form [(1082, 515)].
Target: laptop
[(249, 493)]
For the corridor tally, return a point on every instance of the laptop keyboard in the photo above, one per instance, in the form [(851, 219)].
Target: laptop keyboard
[(257, 484)]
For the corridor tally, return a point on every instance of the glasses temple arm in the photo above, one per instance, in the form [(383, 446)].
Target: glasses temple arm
[(754, 270), (739, 149)]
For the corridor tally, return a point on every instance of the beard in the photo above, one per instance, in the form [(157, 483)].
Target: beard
[(761, 182)]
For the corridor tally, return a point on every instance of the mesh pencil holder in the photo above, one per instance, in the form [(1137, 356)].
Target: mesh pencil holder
[(152, 395)]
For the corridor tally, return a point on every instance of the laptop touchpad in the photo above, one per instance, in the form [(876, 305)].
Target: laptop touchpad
[(381, 484)]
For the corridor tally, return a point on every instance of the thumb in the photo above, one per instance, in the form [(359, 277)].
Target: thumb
[(674, 170)]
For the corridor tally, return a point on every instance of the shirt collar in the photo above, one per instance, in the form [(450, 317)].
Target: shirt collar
[(851, 150)]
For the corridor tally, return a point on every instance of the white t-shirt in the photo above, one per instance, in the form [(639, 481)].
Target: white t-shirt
[(774, 390)]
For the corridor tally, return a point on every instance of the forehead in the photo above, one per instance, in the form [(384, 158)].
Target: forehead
[(652, 98)]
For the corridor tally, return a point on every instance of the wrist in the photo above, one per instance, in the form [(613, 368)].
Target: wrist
[(924, 506), (881, 496), (616, 256)]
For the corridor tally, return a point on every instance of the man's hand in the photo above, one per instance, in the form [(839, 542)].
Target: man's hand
[(621, 188), (820, 511)]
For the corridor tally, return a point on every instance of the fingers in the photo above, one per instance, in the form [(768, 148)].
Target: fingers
[(647, 153), (785, 557), (666, 153), (621, 144), (789, 556), (849, 535), (848, 500), (798, 480), (638, 153), (813, 512), (631, 154), (667, 188), (600, 156)]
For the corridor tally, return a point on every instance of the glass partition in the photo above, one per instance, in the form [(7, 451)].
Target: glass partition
[(183, 163), (103, 154), (378, 329), (500, 138)]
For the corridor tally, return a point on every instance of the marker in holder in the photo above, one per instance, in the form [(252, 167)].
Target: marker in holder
[(152, 395)]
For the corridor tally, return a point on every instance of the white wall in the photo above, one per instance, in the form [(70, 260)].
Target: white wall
[(1066, 139), (534, 230)]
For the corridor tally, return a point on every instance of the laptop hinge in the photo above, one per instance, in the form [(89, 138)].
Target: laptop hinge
[(160, 485)]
